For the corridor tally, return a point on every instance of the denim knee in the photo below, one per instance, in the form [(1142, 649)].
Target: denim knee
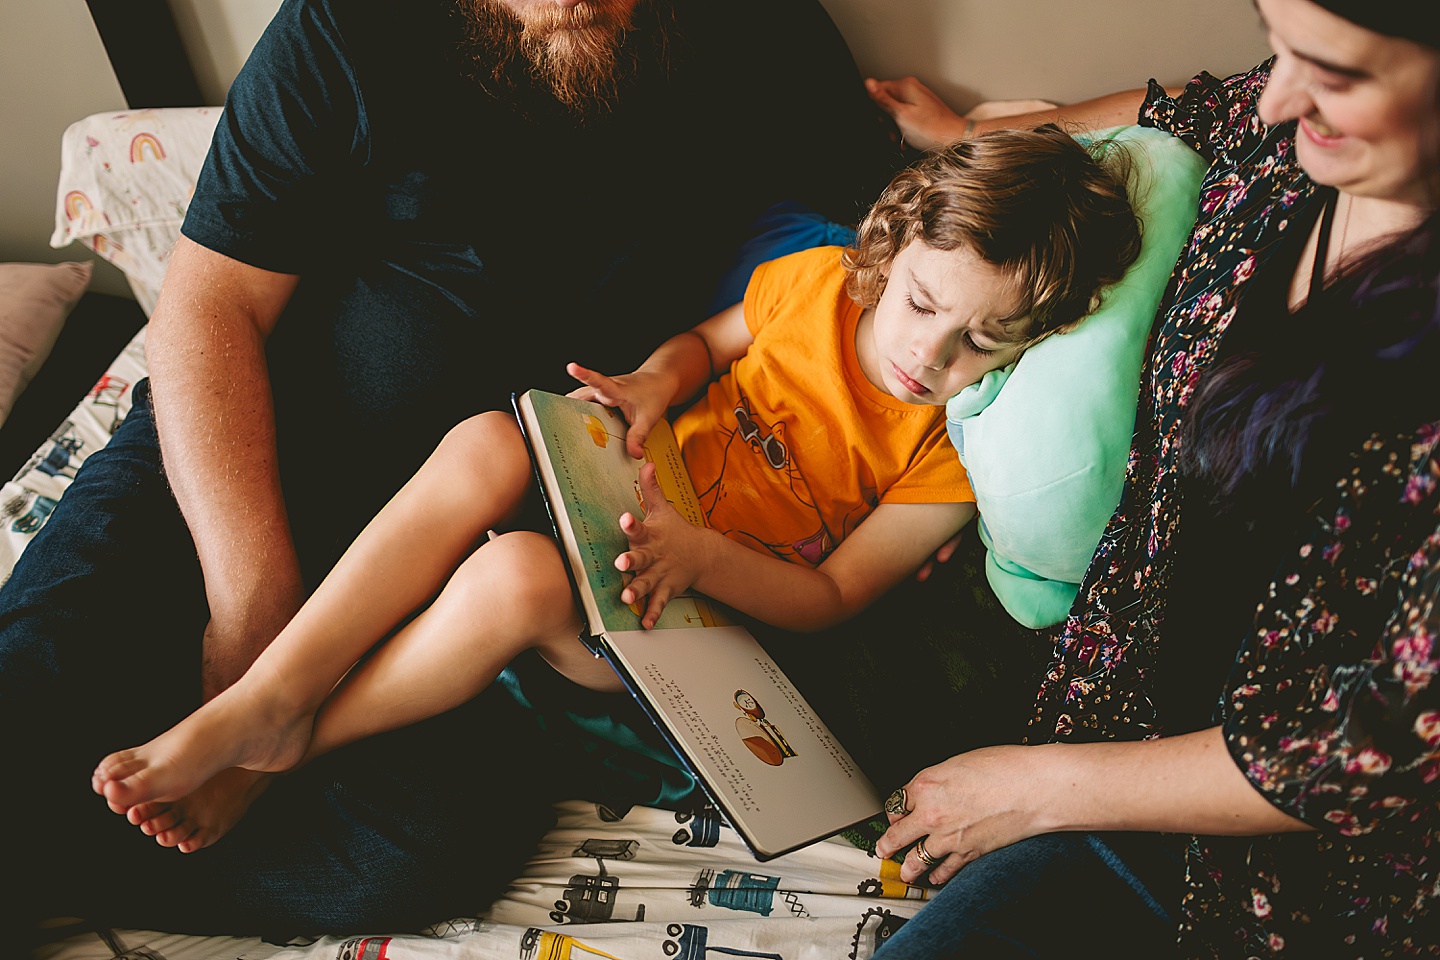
[(1045, 896)]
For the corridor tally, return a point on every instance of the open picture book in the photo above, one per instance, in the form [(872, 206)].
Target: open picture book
[(761, 754)]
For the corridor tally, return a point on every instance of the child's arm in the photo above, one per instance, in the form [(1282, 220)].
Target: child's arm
[(674, 373), (668, 556)]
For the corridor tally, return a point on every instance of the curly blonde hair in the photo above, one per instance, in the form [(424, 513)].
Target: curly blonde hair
[(1037, 202)]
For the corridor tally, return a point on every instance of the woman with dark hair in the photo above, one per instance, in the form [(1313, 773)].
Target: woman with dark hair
[(1237, 737)]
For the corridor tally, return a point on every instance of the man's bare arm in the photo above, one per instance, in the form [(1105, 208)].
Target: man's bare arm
[(205, 348)]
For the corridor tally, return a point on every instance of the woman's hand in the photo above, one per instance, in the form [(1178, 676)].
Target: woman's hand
[(989, 798), (966, 807), (923, 118), (641, 397), (666, 554)]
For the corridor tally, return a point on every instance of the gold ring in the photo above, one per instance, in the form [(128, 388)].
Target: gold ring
[(924, 854), (898, 803)]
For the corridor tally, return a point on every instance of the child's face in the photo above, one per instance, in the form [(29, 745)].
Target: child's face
[(938, 326)]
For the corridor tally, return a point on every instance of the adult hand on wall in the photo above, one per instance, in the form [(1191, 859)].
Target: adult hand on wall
[(923, 118)]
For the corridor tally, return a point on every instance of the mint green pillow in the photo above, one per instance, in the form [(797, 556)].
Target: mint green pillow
[(1045, 440)]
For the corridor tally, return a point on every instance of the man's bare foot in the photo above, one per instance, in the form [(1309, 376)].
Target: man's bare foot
[(199, 819), (236, 729)]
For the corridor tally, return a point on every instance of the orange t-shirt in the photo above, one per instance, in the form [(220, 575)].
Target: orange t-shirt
[(792, 447)]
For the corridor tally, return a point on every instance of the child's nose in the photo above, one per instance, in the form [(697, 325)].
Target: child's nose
[(931, 352)]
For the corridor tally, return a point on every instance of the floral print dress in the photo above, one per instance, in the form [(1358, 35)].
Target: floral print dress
[(1329, 709)]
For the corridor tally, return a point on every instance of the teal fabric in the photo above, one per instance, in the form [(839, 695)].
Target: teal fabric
[(610, 751), (1045, 441)]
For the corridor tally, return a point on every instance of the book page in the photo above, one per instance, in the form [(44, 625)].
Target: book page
[(767, 759), (597, 481)]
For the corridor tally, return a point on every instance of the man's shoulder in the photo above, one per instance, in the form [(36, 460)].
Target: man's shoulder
[(398, 49), (363, 24)]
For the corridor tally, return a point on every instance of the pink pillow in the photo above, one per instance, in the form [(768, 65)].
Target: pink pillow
[(35, 299)]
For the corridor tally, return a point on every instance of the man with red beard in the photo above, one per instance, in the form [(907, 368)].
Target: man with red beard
[(409, 210)]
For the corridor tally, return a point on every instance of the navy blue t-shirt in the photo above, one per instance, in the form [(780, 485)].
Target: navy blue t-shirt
[(452, 251)]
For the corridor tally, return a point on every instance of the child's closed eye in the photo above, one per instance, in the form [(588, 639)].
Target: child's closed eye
[(974, 347), (917, 308), (970, 343)]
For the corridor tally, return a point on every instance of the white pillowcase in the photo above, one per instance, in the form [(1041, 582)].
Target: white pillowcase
[(125, 184), (35, 300)]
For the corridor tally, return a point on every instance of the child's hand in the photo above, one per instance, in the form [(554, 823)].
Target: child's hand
[(641, 398), (666, 552)]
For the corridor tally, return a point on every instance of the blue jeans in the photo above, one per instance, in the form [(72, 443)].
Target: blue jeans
[(1057, 895), (99, 649)]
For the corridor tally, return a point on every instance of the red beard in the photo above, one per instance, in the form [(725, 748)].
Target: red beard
[(579, 56)]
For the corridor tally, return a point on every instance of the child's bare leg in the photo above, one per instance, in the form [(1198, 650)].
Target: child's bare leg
[(510, 595), (476, 478)]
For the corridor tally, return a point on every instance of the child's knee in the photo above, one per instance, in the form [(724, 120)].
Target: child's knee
[(484, 433), (489, 442), (523, 574)]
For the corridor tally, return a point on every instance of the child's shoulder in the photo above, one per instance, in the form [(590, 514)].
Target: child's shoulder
[(812, 258), (804, 284), (813, 265)]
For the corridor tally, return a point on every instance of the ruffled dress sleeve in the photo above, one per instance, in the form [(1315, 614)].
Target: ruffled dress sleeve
[(1216, 118)]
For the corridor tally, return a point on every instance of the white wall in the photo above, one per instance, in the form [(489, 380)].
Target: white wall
[(968, 50), (53, 68), (218, 35), (1057, 50)]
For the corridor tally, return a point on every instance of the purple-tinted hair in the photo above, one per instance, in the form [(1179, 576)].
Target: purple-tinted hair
[(1363, 357)]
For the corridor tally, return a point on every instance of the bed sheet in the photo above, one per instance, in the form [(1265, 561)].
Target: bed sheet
[(653, 884), (28, 498)]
